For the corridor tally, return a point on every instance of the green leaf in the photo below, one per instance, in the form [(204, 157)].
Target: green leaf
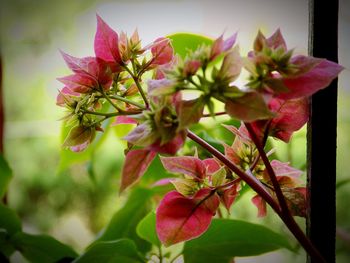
[(341, 183), (146, 229), (9, 225), (116, 251), (123, 223), (9, 220), (226, 239), (6, 248), (5, 175), (182, 42), (42, 248)]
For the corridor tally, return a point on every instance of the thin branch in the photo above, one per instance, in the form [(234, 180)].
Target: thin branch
[(109, 100), (116, 97), (285, 215), (216, 114), (138, 85), (270, 171)]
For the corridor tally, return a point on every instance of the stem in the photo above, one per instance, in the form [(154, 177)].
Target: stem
[(216, 114), (116, 97), (138, 85), (160, 256), (109, 99), (257, 187), (112, 114), (190, 80), (176, 256), (270, 171), (285, 215)]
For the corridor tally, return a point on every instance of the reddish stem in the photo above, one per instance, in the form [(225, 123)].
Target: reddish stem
[(260, 189), (270, 171), (250, 180), (216, 114)]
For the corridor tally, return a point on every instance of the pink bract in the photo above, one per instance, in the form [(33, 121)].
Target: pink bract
[(180, 218), (106, 43), (135, 165)]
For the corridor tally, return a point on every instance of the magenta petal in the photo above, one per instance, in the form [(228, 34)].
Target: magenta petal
[(217, 47), (135, 165), (228, 43), (212, 165), (260, 204), (80, 147), (170, 147), (162, 51), (229, 196), (188, 165), (79, 83), (65, 92), (276, 40), (291, 116), (77, 65), (106, 42), (312, 81), (124, 120), (284, 169), (179, 218)]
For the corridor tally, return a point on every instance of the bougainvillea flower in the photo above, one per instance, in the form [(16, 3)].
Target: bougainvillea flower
[(191, 66), (275, 71), (318, 74), (231, 66), (64, 96), (137, 161), (275, 41), (79, 137), (158, 126), (249, 107), (162, 51), (288, 179), (106, 44), (220, 46), (181, 218), (124, 120), (90, 73), (188, 165), (135, 165), (291, 115)]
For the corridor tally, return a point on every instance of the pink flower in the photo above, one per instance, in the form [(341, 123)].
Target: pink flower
[(220, 46), (291, 115), (106, 45), (162, 51), (90, 74)]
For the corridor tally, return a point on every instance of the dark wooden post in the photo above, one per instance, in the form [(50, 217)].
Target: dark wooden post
[(322, 133)]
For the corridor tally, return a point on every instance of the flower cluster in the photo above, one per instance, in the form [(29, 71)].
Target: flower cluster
[(273, 101)]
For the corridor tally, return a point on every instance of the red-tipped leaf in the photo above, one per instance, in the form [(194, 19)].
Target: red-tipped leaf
[(135, 165), (188, 165), (180, 218)]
